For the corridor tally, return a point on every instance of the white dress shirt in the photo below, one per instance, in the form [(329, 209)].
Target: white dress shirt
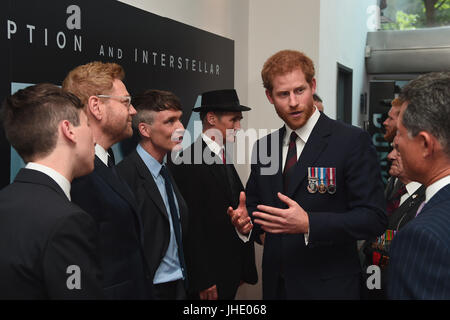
[(410, 189), (435, 187), (55, 175), (101, 153)]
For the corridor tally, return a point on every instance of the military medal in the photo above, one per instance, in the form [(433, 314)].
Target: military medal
[(312, 180), (331, 180), (322, 173)]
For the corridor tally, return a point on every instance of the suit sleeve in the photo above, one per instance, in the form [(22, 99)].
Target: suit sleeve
[(419, 267), (70, 262), (365, 216)]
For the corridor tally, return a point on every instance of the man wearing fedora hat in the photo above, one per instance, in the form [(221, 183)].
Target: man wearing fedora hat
[(218, 260)]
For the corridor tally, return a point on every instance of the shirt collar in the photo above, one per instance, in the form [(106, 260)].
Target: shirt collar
[(152, 164), (412, 187), (101, 153), (214, 146), (305, 131), (435, 187), (62, 182)]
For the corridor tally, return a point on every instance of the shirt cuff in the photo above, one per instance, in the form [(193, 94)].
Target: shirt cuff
[(306, 237), (244, 238)]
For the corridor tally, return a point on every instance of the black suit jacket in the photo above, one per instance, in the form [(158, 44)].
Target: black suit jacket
[(151, 207), (41, 234), (396, 221), (217, 255), (328, 267), (112, 205)]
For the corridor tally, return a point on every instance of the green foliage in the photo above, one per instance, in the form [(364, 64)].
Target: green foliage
[(412, 14)]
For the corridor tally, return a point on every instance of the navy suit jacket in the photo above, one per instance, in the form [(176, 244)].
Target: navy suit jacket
[(328, 267), (110, 202), (419, 266), (41, 234)]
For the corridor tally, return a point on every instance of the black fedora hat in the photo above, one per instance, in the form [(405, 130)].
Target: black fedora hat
[(220, 100)]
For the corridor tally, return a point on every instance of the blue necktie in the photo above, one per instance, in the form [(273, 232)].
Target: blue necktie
[(175, 220)]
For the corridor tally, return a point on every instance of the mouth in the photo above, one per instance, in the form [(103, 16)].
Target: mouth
[(296, 114)]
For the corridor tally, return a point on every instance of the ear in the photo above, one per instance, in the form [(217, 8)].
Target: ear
[(67, 131), (95, 107), (211, 118), (269, 96), (144, 129), (428, 143), (313, 85)]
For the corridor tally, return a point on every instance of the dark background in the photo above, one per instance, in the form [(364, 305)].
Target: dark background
[(111, 24)]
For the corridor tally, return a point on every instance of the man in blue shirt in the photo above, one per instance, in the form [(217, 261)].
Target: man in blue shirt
[(162, 208)]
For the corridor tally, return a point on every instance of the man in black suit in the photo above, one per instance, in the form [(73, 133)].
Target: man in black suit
[(102, 193), (320, 192), (48, 245), (221, 262), (161, 206), (419, 266), (401, 209)]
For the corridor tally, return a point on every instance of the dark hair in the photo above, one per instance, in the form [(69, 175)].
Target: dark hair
[(31, 117), (153, 100), (428, 109), (203, 114), (316, 97)]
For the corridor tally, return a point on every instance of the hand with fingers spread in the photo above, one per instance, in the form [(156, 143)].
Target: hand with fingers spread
[(275, 220), (209, 294), (239, 216)]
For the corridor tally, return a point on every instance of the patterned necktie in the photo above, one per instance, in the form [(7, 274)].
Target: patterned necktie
[(394, 202), (175, 219), (291, 160)]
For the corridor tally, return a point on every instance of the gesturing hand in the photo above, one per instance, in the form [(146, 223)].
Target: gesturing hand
[(239, 216), (275, 220)]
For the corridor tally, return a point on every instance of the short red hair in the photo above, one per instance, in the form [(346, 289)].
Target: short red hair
[(286, 61)]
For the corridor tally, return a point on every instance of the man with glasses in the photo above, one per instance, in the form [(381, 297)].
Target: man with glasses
[(102, 193)]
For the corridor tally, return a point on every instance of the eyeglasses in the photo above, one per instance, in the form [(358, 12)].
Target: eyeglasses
[(126, 100)]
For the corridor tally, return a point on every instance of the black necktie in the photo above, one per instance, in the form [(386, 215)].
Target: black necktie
[(111, 160), (291, 160), (175, 219)]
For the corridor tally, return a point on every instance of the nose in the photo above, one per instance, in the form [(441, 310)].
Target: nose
[(132, 110), (292, 100), (237, 125)]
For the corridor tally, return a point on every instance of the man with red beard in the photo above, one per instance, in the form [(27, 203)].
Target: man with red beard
[(326, 194)]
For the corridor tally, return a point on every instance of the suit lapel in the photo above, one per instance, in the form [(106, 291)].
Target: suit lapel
[(414, 200), (110, 176), (216, 170), (316, 144), (441, 195), (276, 137), (150, 185)]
